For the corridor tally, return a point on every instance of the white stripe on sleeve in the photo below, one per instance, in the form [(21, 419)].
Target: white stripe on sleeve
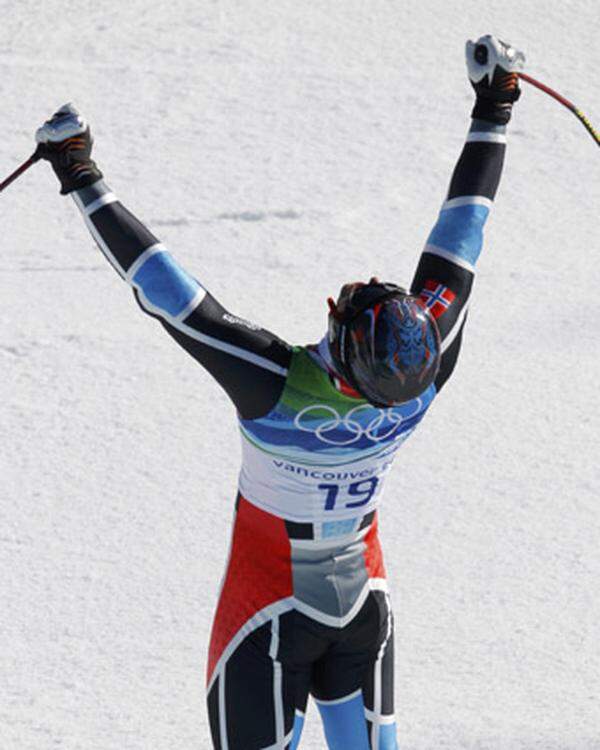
[(103, 200), (485, 137), (435, 250), (467, 200)]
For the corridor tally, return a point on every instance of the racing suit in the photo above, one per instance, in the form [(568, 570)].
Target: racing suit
[(304, 607)]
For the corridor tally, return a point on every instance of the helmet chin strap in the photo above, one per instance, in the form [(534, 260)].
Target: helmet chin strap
[(325, 355)]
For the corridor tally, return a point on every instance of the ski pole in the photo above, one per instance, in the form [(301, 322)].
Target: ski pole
[(565, 102), (19, 171)]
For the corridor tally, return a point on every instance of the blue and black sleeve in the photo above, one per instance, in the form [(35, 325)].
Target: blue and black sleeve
[(446, 269), (249, 362)]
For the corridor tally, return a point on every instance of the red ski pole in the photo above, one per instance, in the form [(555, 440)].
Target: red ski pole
[(19, 171), (565, 102)]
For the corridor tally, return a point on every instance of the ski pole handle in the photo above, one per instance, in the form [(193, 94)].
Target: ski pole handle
[(19, 171), (565, 102)]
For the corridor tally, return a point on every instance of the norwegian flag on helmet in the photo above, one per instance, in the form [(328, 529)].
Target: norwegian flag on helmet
[(437, 297)]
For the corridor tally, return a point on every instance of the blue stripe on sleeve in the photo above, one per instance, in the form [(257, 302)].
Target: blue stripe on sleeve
[(460, 231), (165, 284)]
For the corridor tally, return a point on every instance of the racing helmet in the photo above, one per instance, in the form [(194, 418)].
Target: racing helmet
[(384, 342)]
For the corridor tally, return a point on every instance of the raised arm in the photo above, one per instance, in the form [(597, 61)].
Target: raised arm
[(446, 270), (249, 362)]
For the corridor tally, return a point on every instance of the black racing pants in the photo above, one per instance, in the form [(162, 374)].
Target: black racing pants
[(258, 698)]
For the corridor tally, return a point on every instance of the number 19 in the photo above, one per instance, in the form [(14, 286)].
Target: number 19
[(365, 489)]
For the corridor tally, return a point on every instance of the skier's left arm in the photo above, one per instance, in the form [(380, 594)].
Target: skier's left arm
[(249, 363), (446, 270)]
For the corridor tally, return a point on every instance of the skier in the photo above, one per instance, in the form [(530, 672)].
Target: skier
[(304, 608)]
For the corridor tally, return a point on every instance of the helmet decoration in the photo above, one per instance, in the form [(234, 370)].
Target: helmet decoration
[(384, 342)]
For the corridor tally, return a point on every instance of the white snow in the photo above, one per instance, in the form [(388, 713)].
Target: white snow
[(280, 148)]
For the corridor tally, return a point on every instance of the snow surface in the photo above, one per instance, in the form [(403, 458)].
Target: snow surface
[(280, 148)]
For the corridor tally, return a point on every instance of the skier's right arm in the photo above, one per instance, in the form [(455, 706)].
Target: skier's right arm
[(446, 269), (248, 362)]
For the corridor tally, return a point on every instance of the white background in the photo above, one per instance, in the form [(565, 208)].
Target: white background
[(279, 149)]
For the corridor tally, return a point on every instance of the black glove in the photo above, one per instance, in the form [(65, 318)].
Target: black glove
[(493, 66), (65, 141)]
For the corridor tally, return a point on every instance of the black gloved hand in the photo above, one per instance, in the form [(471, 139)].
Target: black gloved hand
[(493, 66), (65, 141)]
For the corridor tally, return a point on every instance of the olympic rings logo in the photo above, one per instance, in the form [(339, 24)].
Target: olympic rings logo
[(388, 419)]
